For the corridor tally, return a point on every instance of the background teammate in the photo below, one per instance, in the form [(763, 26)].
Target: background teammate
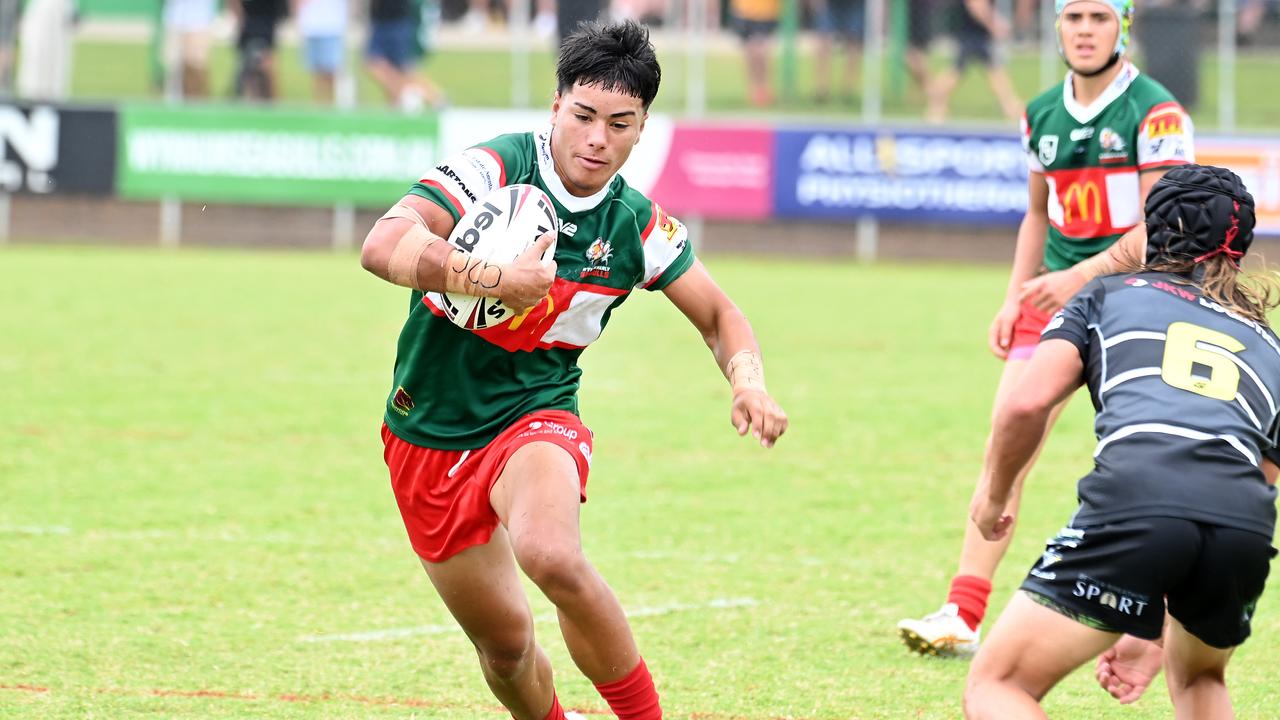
[(1180, 506), (487, 455), (1096, 143)]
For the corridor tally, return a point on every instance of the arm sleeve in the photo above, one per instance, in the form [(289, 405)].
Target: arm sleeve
[(667, 251), (1073, 320), (1164, 137), (458, 181)]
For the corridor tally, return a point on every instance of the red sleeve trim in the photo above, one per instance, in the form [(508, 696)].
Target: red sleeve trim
[(1159, 110), (653, 220), (457, 206), (502, 167)]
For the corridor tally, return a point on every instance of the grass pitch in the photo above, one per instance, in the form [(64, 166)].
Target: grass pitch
[(196, 521)]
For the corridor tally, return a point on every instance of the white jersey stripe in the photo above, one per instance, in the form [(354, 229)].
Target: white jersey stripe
[(1166, 429), (1133, 335), (1271, 403), (1128, 375), (1249, 411)]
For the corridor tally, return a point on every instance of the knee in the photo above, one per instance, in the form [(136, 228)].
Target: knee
[(506, 657), (557, 568), (1180, 679)]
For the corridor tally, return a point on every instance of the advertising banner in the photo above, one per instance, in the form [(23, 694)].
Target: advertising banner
[(1257, 162), (907, 175), (272, 155), (54, 149), (718, 172)]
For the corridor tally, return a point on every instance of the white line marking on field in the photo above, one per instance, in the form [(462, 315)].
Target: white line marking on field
[(641, 612)]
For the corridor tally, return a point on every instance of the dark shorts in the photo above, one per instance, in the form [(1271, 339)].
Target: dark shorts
[(443, 495), (919, 23), (844, 19), (974, 46), (258, 32), (1118, 577), (752, 29), (392, 41)]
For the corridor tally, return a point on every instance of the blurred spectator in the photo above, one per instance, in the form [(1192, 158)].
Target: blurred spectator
[(394, 51), (755, 22), (571, 13), (188, 26), (646, 12), (9, 13), (323, 27), (1249, 16), (919, 35), (975, 26), (258, 19), (44, 49), (839, 22)]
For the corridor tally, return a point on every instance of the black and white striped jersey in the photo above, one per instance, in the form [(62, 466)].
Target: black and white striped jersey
[(1186, 397)]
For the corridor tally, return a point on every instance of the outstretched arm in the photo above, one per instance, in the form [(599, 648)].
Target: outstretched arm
[(729, 336)]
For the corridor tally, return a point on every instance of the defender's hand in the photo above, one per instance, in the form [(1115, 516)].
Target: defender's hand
[(527, 279), (1128, 667), (1049, 292), (1000, 334), (991, 519), (754, 410)]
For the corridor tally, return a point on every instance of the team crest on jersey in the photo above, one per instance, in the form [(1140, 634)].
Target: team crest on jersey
[(598, 255), (1048, 149), (1113, 147), (401, 402)]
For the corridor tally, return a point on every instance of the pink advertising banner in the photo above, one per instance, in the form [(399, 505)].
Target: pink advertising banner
[(723, 171)]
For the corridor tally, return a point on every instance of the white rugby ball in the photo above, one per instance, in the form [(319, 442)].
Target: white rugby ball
[(497, 228)]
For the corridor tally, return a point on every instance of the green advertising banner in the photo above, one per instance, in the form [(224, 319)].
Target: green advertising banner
[(272, 155)]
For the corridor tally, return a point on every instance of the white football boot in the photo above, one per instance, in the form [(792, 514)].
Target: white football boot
[(942, 634)]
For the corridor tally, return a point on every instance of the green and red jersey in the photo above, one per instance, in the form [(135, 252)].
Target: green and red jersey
[(457, 389), (1091, 157)]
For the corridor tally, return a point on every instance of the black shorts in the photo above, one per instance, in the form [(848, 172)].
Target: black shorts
[(1118, 577), (258, 32), (974, 46)]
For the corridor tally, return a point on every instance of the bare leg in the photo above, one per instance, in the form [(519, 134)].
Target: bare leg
[(388, 77), (757, 56), (1030, 649), (939, 95), (322, 87), (481, 587), (823, 49), (1196, 675), (852, 56), (537, 499), (1002, 86)]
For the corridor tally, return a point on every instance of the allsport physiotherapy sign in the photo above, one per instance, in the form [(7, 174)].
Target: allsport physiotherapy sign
[(271, 155)]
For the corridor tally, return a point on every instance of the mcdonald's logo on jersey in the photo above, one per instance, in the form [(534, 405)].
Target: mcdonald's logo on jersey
[(1085, 198)]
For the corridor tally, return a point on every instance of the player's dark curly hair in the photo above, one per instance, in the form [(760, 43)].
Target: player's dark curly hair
[(617, 57)]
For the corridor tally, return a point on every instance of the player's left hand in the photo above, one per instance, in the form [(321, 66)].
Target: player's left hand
[(992, 521), (754, 410), (1049, 292), (1128, 667)]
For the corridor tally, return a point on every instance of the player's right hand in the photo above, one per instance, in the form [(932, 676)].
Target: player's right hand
[(527, 279), (1000, 334)]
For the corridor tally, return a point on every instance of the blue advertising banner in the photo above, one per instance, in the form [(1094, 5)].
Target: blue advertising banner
[(907, 175)]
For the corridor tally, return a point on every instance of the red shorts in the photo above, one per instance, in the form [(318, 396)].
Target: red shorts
[(1026, 331), (444, 494)]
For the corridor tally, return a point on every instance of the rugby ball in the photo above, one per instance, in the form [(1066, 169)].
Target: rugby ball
[(497, 228)]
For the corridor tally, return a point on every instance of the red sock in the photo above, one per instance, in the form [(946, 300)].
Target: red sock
[(557, 712), (633, 697), (970, 593)]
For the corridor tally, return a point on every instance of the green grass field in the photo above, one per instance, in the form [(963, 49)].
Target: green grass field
[(482, 78), (195, 504)]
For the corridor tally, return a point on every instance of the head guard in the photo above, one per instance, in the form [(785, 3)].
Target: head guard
[(1123, 10), (1196, 212)]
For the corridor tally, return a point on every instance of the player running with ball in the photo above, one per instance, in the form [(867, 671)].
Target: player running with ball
[(1096, 144), (487, 455), (1179, 510)]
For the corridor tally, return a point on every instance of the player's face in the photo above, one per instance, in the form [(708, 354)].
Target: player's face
[(593, 133), (1089, 31)]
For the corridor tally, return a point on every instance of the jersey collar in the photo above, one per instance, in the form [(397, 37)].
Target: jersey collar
[(550, 178), (1086, 113)]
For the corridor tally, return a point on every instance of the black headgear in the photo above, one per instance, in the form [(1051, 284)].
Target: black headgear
[(1197, 211)]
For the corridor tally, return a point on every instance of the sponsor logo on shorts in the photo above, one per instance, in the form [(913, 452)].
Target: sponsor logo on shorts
[(401, 401), (585, 449), (538, 427), (1118, 599)]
